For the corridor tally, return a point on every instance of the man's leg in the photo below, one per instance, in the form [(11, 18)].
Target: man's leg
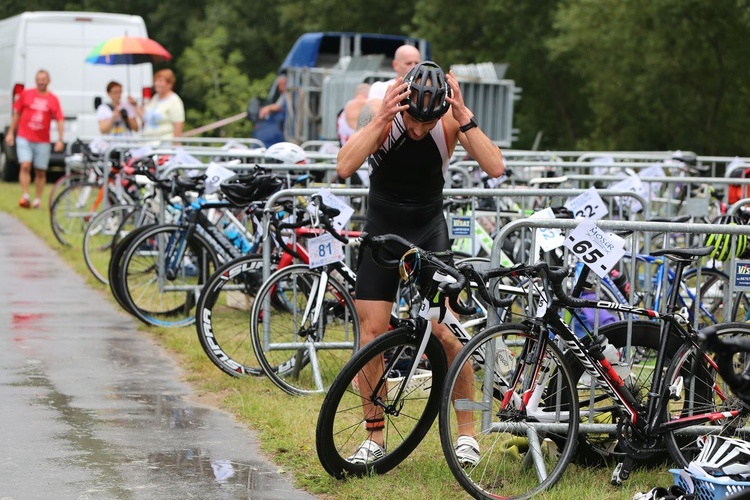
[(463, 386), (374, 317), (24, 179), (40, 178)]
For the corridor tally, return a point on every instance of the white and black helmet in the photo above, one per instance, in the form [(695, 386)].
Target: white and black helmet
[(724, 456), (287, 153)]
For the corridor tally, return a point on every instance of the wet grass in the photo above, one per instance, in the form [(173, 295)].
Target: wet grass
[(286, 425)]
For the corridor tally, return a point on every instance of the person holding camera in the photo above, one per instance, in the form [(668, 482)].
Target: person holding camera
[(117, 118)]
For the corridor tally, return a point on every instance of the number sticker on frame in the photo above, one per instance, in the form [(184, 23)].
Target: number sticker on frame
[(596, 248), (324, 249)]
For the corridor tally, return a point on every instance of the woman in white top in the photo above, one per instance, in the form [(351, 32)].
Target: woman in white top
[(164, 115), (117, 118)]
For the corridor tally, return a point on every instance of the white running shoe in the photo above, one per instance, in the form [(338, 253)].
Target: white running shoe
[(467, 451), (368, 451)]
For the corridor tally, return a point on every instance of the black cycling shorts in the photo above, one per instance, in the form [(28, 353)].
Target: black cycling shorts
[(378, 283)]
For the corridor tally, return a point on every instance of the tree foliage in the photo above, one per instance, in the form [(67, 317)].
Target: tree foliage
[(595, 74)]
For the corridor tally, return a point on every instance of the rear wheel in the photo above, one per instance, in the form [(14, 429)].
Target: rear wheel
[(98, 238), (700, 389)]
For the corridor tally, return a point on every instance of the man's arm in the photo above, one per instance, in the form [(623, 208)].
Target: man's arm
[(474, 140), (372, 126), (60, 145), (10, 136)]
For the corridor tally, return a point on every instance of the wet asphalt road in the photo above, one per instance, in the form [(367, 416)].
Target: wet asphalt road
[(90, 408)]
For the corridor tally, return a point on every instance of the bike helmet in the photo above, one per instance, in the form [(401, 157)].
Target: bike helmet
[(427, 89), (722, 243), (724, 456), (286, 152), (243, 189)]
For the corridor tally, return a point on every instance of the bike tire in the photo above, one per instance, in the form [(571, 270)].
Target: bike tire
[(223, 316), (72, 210), (343, 410), (149, 293), (714, 291), (521, 451), (594, 402), (98, 239), (299, 355), (703, 391), (113, 272)]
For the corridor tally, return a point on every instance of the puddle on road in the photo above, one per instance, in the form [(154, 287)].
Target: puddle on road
[(121, 470)]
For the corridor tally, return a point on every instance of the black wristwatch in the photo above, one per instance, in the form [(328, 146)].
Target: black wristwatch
[(472, 123)]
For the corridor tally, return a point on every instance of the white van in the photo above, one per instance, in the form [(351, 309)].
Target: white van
[(59, 43)]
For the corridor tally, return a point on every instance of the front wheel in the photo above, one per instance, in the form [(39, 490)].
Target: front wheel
[(223, 315), (523, 415), (304, 328), (372, 387)]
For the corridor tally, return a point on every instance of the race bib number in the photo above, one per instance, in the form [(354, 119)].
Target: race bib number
[(215, 175), (333, 201), (631, 183), (587, 205), (596, 248), (324, 249), (547, 238)]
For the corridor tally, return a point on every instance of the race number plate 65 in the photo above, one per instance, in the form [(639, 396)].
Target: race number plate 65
[(597, 248)]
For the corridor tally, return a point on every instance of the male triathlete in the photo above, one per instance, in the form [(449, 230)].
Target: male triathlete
[(407, 139)]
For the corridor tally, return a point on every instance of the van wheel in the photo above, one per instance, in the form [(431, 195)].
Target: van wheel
[(8, 168)]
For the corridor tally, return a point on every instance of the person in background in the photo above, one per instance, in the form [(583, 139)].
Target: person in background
[(33, 112), (405, 58), (346, 123), (117, 118), (163, 116), (281, 104)]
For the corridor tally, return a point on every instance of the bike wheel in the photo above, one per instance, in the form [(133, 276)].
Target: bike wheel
[(223, 315), (73, 209), (159, 288), (98, 237), (113, 272), (700, 389), (62, 183), (360, 392), (741, 307), (523, 448), (304, 329), (596, 404), (712, 289)]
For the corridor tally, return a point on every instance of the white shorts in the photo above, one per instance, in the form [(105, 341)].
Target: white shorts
[(36, 153)]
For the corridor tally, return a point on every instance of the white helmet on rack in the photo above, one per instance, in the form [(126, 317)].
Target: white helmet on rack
[(286, 152), (724, 456)]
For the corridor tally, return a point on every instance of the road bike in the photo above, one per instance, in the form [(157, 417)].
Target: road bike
[(527, 413)]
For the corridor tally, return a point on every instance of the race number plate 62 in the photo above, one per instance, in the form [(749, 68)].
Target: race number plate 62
[(597, 248)]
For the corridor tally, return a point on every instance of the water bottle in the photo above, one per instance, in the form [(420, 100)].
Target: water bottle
[(237, 238), (621, 281)]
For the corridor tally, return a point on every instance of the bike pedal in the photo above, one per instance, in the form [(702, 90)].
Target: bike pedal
[(675, 389), (616, 480)]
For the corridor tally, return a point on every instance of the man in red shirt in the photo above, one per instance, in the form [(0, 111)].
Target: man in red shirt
[(33, 112)]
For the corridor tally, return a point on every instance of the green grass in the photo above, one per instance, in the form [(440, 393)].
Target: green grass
[(286, 425)]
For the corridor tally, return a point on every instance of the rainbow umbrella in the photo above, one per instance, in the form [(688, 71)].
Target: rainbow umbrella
[(128, 50)]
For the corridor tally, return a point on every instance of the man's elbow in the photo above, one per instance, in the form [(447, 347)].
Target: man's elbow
[(342, 172)]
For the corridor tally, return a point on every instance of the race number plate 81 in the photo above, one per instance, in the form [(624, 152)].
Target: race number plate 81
[(324, 249)]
